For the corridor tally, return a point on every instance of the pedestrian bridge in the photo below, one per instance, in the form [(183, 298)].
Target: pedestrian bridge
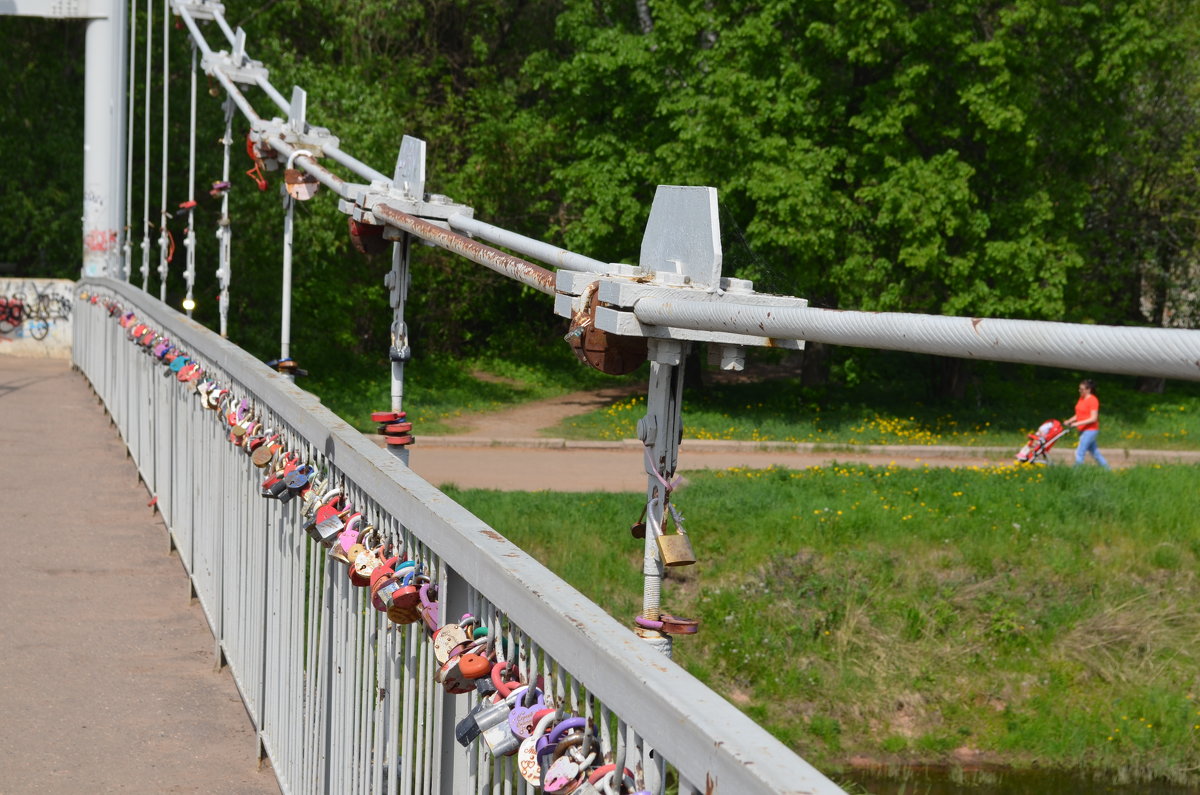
[(379, 636)]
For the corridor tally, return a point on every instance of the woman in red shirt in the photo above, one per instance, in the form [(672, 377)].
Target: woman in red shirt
[(1087, 420)]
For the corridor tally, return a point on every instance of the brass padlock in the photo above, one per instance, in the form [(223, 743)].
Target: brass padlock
[(675, 549)]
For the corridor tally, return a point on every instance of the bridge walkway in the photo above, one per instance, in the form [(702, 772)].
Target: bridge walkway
[(107, 668)]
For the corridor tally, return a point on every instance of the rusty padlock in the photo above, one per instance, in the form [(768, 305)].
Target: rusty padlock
[(608, 353), (300, 185)]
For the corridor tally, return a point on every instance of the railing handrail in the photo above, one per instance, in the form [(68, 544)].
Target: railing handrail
[(669, 706)]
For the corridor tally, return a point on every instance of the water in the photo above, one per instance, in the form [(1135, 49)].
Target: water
[(998, 782)]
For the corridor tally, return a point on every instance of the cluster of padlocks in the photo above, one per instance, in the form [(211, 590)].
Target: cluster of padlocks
[(555, 751)]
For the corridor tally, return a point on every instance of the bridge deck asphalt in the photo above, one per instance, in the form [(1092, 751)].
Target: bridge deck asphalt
[(107, 669)]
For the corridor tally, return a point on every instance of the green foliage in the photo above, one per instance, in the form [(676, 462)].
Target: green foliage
[(41, 133), (1016, 160), (901, 614)]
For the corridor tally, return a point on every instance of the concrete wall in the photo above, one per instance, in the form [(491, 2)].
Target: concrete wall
[(22, 340)]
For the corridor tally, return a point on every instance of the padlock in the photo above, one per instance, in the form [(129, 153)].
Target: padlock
[(467, 730), (527, 755), (327, 521), (263, 456), (570, 762), (428, 609), (318, 494), (383, 592), (408, 594), (493, 723), (530, 701), (599, 781), (670, 625), (300, 185), (607, 352), (298, 478), (363, 564), (675, 549), (474, 666), (505, 687), (564, 776), (404, 615), (348, 539), (445, 639), (367, 238), (451, 678)]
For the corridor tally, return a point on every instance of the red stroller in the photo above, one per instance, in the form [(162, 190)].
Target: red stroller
[(1040, 442)]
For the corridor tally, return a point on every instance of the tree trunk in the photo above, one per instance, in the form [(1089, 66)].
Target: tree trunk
[(814, 364), (693, 368), (1151, 386), (950, 377)]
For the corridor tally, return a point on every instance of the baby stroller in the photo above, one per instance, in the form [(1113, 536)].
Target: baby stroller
[(1040, 442)]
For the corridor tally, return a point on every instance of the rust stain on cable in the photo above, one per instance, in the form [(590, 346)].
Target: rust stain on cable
[(523, 271)]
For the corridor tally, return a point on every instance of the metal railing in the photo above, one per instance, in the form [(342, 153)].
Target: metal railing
[(343, 699)]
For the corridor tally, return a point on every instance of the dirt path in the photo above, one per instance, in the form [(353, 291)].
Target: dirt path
[(530, 420), (508, 450)]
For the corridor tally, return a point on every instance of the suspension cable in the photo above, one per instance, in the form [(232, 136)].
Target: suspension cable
[(127, 243), (223, 229), (163, 232), (189, 240), (146, 155)]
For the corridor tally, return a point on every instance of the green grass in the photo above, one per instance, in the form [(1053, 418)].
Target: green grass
[(437, 390), (1006, 404), (1045, 616)]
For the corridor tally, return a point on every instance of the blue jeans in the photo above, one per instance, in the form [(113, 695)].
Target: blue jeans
[(1087, 444)]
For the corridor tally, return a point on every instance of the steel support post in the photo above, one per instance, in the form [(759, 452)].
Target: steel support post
[(397, 281), (164, 216), (101, 170), (285, 326), (660, 431)]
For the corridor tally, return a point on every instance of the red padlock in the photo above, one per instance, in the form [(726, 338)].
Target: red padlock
[(367, 238)]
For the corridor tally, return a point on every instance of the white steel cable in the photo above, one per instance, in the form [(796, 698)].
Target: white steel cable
[(162, 228), (146, 155), (224, 231), (1156, 352), (127, 243), (189, 241)]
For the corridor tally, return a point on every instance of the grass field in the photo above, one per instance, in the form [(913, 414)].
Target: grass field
[(1044, 616)]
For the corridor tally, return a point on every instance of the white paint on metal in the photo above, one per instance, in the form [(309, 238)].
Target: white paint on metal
[(101, 193), (683, 234), (1165, 353), (58, 9), (409, 174)]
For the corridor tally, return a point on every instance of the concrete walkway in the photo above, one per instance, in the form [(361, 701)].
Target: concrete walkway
[(107, 679)]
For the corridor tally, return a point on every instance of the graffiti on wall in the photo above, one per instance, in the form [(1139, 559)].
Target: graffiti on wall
[(31, 309)]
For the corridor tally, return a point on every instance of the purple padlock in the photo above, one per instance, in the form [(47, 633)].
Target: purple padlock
[(520, 720)]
